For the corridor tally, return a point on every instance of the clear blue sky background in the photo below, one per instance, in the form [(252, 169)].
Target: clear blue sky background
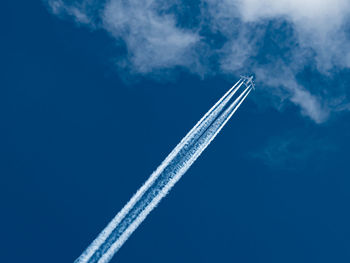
[(76, 141)]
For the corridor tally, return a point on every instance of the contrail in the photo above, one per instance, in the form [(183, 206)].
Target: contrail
[(164, 178), (185, 143)]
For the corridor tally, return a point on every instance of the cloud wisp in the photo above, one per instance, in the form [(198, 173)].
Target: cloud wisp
[(277, 40), (288, 152), (164, 178)]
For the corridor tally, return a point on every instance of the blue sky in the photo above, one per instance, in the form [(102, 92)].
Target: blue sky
[(95, 94)]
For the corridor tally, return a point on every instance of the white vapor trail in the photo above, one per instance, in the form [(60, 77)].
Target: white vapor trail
[(164, 178)]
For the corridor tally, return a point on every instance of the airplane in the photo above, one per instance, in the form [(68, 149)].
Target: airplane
[(248, 81)]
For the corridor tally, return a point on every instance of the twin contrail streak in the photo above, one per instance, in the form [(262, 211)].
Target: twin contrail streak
[(164, 178)]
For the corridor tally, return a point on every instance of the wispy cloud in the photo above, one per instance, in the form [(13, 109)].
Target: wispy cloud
[(318, 24), (78, 10), (153, 39), (290, 152), (277, 40)]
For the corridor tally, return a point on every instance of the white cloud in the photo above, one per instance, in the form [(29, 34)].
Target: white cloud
[(282, 83), (319, 24), (304, 33), (317, 35), (77, 11), (153, 39)]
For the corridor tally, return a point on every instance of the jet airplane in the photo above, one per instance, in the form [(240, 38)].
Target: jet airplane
[(248, 81)]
